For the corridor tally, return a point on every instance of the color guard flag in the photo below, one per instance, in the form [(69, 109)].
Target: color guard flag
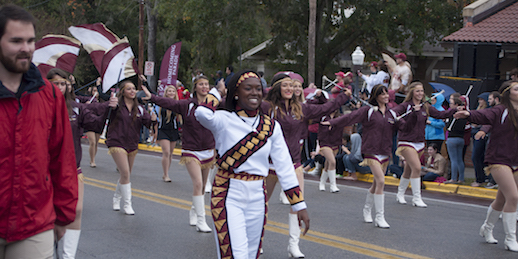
[(169, 67), (56, 51), (118, 63), (96, 39)]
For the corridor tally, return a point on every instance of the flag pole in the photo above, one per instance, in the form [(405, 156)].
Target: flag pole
[(107, 122)]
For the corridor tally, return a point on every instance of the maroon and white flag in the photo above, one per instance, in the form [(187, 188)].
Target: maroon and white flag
[(118, 63), (56, 51), (96, 39), (169, 67)]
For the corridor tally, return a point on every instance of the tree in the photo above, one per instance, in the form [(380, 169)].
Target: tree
[(373, 24)]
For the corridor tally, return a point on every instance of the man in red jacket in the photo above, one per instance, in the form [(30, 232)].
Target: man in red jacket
[(38, 178)]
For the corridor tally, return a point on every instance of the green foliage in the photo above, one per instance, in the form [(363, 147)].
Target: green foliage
[(374, 25), (215, 32)]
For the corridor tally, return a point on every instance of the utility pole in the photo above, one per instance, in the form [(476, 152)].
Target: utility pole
[(141, 41), (312, 40)]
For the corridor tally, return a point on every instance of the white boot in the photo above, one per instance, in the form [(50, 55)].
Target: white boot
[(332, 181), (210, 179), (192, 216), (67, 246), (379, 205), (126, 199), (416, 192), (117, 197), (486, 230), (323, 180), (367, 209), (401, 189), (199, 207), (283, 198), (293, 246), (509, 220), (316, 170)]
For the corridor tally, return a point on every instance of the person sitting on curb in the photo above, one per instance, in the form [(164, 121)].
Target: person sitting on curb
[(435, 166)]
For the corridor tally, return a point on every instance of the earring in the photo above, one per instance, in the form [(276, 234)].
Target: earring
[(236, 97)]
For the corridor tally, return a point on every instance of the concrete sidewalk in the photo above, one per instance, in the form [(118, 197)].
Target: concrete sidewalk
[(465, 190)]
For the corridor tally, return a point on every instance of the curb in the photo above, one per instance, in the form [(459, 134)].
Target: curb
[(479, 192)]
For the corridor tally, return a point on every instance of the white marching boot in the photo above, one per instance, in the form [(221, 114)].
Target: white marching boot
[(323, 180), (367, 209), (117, 197), (293, 245), (283, 199), (317, 169), (67, 246), (416, 192), (199, 207), (192, 216), (401, 189), (509, 220), (126, 199), (379, 205), (332, 181), (486, 230)]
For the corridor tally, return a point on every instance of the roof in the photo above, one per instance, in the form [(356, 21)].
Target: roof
[(500, 27)]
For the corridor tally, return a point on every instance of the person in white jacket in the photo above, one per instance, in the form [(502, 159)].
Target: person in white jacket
[(379, 75)]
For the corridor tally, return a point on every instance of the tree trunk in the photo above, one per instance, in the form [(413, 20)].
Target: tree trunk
[(312, 40), (151, 13)]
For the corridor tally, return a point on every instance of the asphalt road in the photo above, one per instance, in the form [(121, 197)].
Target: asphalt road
[(448, 228)]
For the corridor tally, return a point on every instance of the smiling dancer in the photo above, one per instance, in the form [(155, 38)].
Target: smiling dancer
[(503, 162), (379, 124), (127, 118), (245, 139), (168, 132), (293, 118), (198, 153), (411, 141)]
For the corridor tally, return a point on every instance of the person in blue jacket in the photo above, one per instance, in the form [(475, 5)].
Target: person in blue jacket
[(434, 131)]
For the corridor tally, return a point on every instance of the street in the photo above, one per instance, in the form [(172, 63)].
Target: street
[(448, 228)]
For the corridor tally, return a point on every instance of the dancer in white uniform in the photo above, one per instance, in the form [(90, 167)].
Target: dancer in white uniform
[(245, 139)]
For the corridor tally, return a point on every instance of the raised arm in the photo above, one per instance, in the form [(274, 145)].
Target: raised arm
[(205, 112), (316, 111)]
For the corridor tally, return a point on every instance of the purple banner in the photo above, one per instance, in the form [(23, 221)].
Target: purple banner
[(169, 67)]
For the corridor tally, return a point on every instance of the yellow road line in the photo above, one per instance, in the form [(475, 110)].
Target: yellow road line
[(277, 227)]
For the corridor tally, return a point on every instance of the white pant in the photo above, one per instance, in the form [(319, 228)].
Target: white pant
[(241, 207)]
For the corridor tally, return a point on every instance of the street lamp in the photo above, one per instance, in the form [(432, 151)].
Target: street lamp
[(357, 57)]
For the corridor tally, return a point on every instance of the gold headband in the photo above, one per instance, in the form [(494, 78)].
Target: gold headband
[(282, 80), (509, 87), (245, 76)]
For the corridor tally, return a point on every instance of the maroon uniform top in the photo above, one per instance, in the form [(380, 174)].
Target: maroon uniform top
[(320, 100), (123, 131), (76, 122), (195, 137), (329, 137), (501, 148), (378, 128), (417, 131), (292, 128)]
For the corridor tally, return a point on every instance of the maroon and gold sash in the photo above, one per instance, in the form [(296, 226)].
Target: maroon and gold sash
[(243, 149)]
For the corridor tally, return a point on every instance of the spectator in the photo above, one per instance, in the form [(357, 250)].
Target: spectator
[(354, 158), (455, 142), (344, 81), (401, 74), (434, 131), (479, 144), (379, 75), (263, 81), (435, 166), (230, 73), (38, 176)]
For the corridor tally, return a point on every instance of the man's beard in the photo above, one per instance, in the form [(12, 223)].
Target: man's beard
[(11, 65)]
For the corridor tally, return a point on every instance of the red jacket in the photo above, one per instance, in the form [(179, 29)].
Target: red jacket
[(38, 177)]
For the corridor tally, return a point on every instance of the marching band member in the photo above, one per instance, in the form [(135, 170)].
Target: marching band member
[(245, 139)]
